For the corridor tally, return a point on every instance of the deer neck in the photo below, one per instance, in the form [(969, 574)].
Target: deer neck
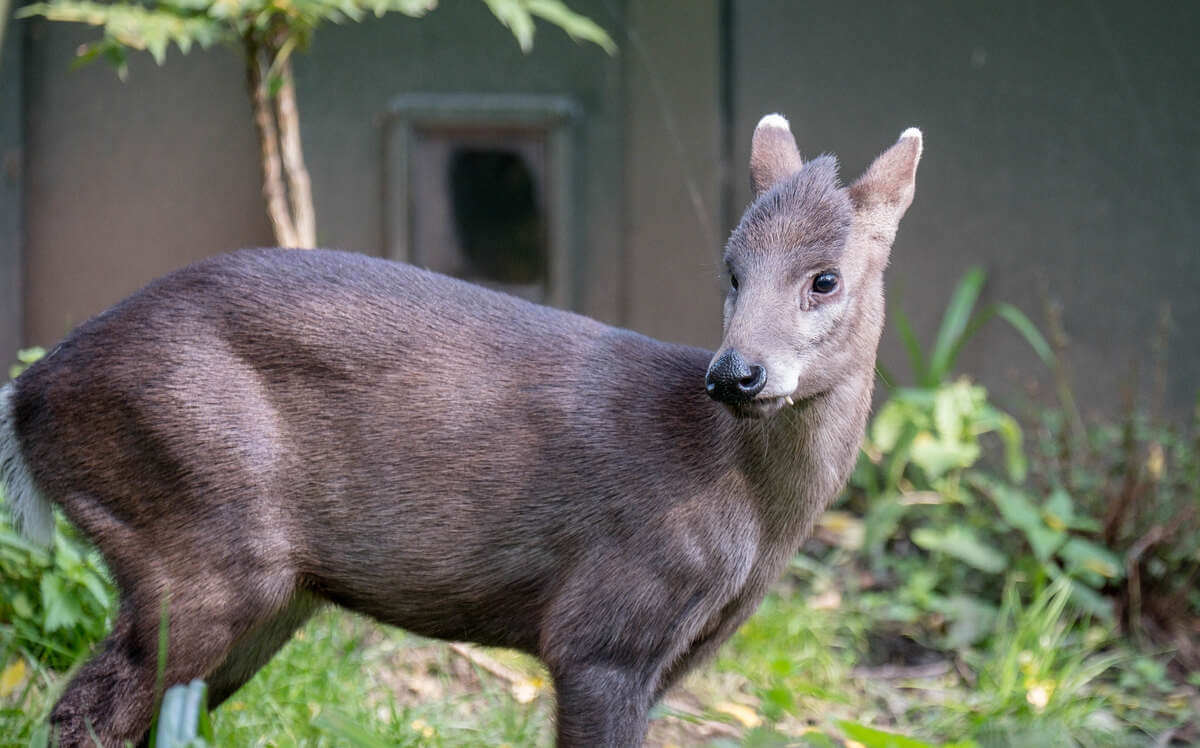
[(798, 460)]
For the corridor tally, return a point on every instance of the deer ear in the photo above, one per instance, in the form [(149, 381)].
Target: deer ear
[(773, 154), (888, 185)]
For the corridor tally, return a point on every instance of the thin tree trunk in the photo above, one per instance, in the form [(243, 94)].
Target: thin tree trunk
[(299, 185), (268, 141)]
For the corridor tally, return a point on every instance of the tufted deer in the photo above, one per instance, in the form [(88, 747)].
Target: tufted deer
[(270, 430)]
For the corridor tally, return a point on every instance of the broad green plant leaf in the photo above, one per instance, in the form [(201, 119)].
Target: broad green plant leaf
[(989, 419), (1060, 511), (873, 738), (61, 608), (939, 456), (1084, 555), (971, 619), (1021, 514), (963, 544), (953, 407), (890, 424)]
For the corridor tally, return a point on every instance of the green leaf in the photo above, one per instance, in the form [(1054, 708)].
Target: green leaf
[(936, 457), (62, 610), (579, 28), (1020, 513), (872, 738), (1061, 509), (96, 587), (889, 425), (951, 405), (881, 520), (25, 356), (36, 553), (514, 15), (912, 346), (810, 740), (1084, 555), (183, 719), (1023, 325), (963, 544), (31, 355), (414, 8), (156, 41), (971, 620), (188, 6), (22, 608), (991, 419), (135, 26), (900, 458), (39, 737), (66, 553), (1091, 602), (954, 322)]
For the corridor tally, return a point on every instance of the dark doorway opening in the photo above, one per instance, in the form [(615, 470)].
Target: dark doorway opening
[(498, 216)]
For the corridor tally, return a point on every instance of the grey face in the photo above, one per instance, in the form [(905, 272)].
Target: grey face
[(787, 290), (805, 271)]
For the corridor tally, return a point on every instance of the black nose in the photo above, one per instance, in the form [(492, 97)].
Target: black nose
[(731, 379)]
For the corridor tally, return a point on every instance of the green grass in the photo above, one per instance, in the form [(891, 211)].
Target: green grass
[(345, 680), (808, 669)]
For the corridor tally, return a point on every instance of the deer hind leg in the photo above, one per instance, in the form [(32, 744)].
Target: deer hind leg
[(110, 699), (214, 594)]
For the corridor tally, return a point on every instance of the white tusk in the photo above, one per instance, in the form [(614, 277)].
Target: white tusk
[(788, 399)]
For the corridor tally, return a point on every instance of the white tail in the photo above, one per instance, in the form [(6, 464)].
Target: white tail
[(30, 511)]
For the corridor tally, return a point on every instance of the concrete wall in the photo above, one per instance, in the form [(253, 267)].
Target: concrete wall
[(125, 182), (676, 229), (128, 181), (346, 80), (12, 137), (1061, 154)]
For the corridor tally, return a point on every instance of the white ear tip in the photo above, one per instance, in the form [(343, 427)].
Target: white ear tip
[(911, 132), (773, 120)]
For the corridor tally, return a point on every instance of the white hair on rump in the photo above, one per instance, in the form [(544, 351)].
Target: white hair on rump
[(30, 510)]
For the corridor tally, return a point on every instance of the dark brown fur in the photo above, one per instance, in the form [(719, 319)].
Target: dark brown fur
[(268, 430)]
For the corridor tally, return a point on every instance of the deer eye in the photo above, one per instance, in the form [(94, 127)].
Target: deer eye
[(733, 281), (825, 283)]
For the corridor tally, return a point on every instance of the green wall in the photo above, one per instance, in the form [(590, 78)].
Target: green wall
[(1062, 153)]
